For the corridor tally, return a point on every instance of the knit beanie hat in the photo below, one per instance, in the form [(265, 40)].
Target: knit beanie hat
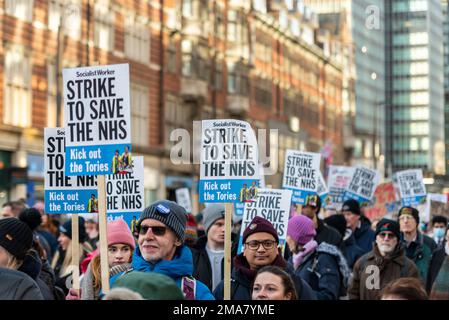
[(411, 211), (301, 229), (338, 222), (66, 229), (191, 229), (257, 225), (388, 225), (119, 232), (16, 237), (351, 205), (169, 213), (32, 217), (211, 214), (150, 285)]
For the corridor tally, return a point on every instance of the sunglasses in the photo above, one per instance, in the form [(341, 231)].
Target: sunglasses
[(157, 230), (383, 235)]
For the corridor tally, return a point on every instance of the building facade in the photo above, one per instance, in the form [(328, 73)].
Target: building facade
[(189, 60), (415, 86)]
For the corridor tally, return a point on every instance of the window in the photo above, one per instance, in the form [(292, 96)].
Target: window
[(262, 92), (140, 114), (176, 115), (21, 9), (51, 95), (71, 16), (188, 59), (232, 25), (104, 25), (137, 39), (237, 78), (219, 22), (172, 65), (17, 94)]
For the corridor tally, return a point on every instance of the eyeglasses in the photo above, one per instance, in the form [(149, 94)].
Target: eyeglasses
[(254, 245), (157, 230), (385, 234)]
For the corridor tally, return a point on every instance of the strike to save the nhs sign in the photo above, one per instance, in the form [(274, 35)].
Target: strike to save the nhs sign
[(97, 120)]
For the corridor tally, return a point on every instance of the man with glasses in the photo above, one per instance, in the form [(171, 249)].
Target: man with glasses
[(161, 229), (418, 247), (260, 249), (385, 263), (438, 277)]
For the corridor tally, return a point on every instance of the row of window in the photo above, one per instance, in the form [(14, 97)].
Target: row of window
[(69, 13)]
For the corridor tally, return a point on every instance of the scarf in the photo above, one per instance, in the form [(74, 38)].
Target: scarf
[(309, 247)]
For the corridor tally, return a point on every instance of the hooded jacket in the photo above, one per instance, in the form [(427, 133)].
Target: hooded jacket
[(180, 266), (16, 285), (242, 278), (364, 236), (364, 285), (326, 271), (202, 269), (325, 233)]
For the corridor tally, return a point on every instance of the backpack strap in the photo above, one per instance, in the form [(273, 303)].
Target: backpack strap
[(188, 285)]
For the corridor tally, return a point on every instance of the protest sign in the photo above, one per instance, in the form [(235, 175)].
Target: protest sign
[(270, 204), (322, 190), (65, 194), (384, 202), (125, 194), (411, 187), (337, 182), (229, 170), (436, 204), (301, 171), (362, 185), (183, 199), (97, 120)]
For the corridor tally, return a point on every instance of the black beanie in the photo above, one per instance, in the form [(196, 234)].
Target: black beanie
[(338, 222), (31, 217), (388, 225), (66, 229), (351, 205), (16, 237), (411, 211)]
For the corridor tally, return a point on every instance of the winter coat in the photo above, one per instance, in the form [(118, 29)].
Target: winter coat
[(436, 262), (180, 266), (16, 285), (326, 271), (364, 236), (325, 233), (32, 266), (242, 277), (351, 251), (202, 269), (364, 285), (420, 252)]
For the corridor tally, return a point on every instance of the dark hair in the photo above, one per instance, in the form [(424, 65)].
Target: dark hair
[(287, 281), (439, 219), (406, 288)]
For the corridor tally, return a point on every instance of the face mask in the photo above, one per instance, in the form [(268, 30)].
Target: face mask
[(438, 232)]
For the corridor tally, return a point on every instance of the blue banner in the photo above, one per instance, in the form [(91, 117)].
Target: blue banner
[(299, 196), (71, 201), (413, 201), (231, 191), (98, 160)]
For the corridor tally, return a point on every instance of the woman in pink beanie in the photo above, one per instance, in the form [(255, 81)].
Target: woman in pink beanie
[(121, 245), (322, 266)]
